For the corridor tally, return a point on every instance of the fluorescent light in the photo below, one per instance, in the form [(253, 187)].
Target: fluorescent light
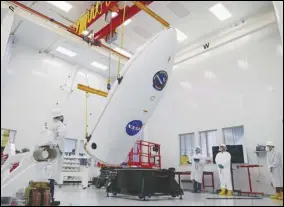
[(209, 74), (124, 52), (66, 52), (243, 64), (85, 32), (127, 22), (114, 14), (220, 11), (180, 36), (63, 5), (99, 65)]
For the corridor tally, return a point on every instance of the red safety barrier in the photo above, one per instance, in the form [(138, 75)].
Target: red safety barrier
[(145, 155)]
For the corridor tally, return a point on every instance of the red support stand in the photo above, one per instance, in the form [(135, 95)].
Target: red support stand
[(249, 180)]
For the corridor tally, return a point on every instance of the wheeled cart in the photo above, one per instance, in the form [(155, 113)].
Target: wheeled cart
[(144, 183)]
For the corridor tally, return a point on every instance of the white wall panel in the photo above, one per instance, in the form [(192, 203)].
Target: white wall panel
[(244, 87), (34, 88)]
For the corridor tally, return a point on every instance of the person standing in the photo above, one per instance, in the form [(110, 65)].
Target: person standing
[(198, 161), (274, 163), (223, 161), (59, 131)]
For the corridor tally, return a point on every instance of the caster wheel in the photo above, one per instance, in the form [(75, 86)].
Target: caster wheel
[(114, 194), (174, 196)]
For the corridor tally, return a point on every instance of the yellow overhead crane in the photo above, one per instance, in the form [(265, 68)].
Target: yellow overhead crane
[(92, 90)]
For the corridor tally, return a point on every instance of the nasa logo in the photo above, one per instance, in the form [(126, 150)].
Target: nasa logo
[(134, 127), (160, 80)]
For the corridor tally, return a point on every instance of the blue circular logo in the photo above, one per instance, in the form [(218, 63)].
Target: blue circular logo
[(160, 80), (133, 127)]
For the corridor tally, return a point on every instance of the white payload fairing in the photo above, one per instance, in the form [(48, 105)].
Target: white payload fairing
[(131, 103)]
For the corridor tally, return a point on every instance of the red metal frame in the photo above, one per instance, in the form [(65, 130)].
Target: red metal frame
[(249, 179), (104, 9), (69, 29), (118, 20), (145, 156)]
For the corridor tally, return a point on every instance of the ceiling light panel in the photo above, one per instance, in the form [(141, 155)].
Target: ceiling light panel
[(209, 75), (99, 65), (114, 14), (63, 5), (66, 51), (127, 22), (181, 36), (124, 52), (220, 11)]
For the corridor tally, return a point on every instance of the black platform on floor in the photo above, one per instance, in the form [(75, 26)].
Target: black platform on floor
[(144, 183)]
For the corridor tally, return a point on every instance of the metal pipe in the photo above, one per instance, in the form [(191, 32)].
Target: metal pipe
[(62, 26), (151, 13)]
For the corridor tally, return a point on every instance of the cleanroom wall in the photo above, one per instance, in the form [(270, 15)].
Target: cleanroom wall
[(238, 84), (36, 82)]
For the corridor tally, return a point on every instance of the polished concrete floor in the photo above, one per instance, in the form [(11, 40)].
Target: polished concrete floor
[(74, 195)]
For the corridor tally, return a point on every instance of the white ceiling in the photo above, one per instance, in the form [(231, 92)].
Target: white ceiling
[(190, 17)]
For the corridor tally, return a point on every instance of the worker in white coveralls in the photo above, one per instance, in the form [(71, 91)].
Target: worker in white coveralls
[(198, 161), (274, 163), (58, 130), (223, 161)]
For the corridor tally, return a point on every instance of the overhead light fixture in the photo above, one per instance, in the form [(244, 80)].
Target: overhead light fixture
[(63, 5), (124, 52), (127, 22), (66, 51), (180, 36), (85, 32), (99, 65), (114, 14), (243, 64), (209, 75), (220, 11)]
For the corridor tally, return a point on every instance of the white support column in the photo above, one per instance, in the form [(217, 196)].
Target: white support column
[(278, 7), (5, 30)]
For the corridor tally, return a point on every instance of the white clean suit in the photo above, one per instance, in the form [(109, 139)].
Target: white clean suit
[(274, 162), (197, 167), (224, 158), (59, 131)]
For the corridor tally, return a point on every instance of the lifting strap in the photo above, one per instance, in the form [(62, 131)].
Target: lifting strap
[(121, 41), (86, 114)]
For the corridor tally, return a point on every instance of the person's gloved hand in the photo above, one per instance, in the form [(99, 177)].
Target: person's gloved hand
[(220, 166)]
